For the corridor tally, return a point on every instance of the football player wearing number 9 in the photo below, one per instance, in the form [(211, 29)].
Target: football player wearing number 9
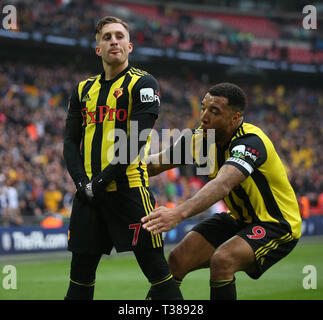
[(112, 192), (263, 223)]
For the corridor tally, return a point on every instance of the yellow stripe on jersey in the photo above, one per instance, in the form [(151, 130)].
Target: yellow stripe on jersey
[(156, 239), (90, 128), (108, 134), (147, 212), (272, 245), (133, 81), (239, 205), (151, 208)]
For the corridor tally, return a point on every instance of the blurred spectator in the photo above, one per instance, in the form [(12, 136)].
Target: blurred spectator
[(11, 214), (52, 198), (3, 198), (14, 216), (304, 206)]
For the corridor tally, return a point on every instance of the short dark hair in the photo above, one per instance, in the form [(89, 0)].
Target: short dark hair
[(109, 19), (235, 95)]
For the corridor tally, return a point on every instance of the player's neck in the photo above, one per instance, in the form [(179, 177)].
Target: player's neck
[(111, 71), (230, 134)]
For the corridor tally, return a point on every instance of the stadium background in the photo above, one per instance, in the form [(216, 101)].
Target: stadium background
[(260, 45)]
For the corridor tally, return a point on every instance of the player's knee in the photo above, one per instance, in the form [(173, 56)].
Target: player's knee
[(173, 260), (176, 263), (222, 262)]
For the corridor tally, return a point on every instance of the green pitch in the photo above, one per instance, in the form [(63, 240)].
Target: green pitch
[(118, 278)]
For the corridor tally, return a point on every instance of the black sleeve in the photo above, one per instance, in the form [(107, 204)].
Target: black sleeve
[(180, 151), (247, 153), (146, 96), (72, 140)]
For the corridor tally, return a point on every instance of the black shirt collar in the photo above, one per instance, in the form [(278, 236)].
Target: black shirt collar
[(123, 72)]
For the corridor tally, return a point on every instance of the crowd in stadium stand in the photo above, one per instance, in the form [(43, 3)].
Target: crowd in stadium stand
[(33, 104), (185, 30)]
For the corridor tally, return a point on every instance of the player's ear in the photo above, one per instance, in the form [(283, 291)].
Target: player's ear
[(97, 48), (98, 51), (236, 116), (130, 46)]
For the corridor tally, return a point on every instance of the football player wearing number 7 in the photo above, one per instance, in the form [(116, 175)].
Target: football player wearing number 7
[(112, 181), (263, 223)]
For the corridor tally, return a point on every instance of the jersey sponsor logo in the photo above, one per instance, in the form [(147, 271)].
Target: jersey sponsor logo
[(238, 151), (118, 92), (102, 113), (252, 153), (257, 233), (148, 95), (86, 98), (243, 151)]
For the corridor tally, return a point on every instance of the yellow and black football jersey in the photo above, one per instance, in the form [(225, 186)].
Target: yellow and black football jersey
[(98, 110), (266, 194)]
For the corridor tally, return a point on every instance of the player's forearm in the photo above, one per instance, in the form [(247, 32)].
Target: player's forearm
[(74, 163), (227, 178), (154, 169), (71, 151), (155, 165), (211, 193)]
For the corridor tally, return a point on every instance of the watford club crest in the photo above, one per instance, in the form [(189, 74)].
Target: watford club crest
[(118, 92)]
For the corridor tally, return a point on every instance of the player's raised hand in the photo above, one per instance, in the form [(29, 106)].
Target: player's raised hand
[(161, 219)]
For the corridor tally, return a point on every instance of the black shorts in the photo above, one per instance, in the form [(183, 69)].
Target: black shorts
[(269, 241), (114, 222)]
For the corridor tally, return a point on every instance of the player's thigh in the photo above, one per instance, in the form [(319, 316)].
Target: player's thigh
[(197, 248), (270, 243), (193, 252), (233, 255), (217, 230), (87, 233), (126, 208)]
